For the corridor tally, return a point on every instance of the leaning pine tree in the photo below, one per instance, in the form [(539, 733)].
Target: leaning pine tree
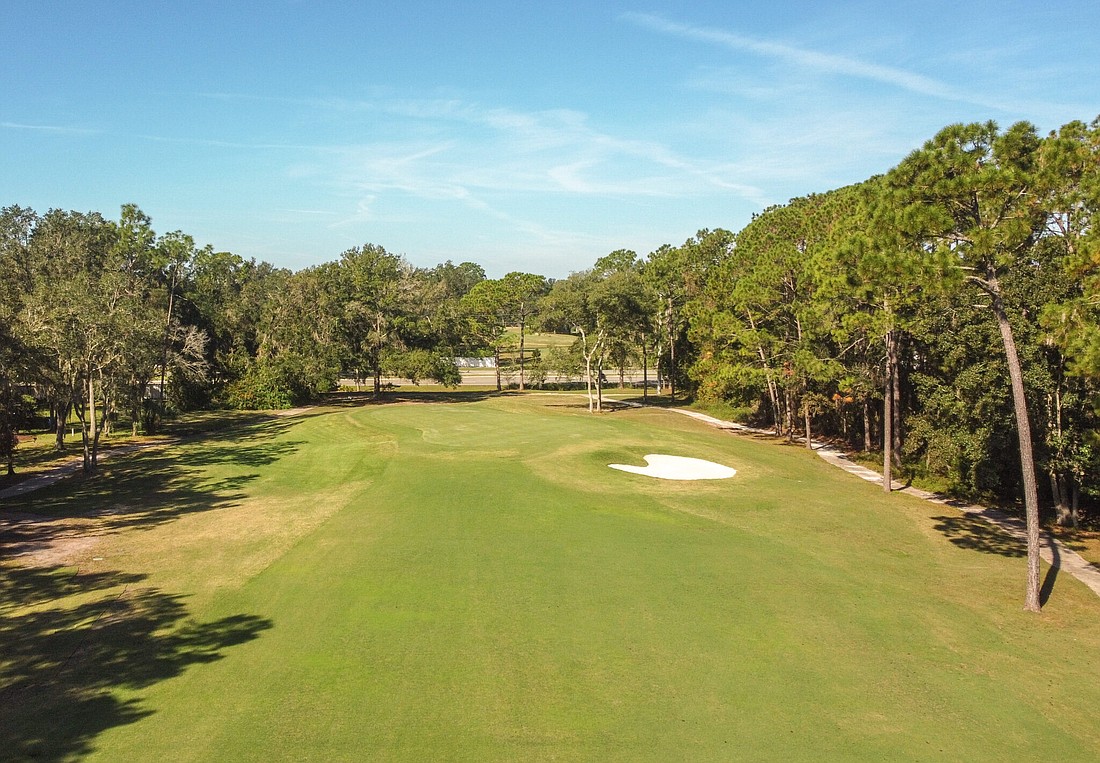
[(972, 193)]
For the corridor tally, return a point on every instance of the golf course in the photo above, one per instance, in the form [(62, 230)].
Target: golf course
[(461, 576)]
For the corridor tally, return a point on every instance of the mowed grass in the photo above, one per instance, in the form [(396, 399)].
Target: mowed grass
[(468, 580), (537, 340)]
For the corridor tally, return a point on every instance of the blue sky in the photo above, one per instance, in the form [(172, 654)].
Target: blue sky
[(532, 136)]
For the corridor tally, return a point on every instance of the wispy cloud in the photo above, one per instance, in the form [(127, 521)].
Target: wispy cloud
[(495, 152), (215, 143), (828, 63), (56, 129), (502, 149), (321, 212), (540, 176)]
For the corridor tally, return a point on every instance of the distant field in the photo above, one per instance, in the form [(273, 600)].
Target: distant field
[(534, 340), (466, 579)]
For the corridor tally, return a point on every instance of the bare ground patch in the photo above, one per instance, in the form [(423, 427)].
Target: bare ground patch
[(37, 541)]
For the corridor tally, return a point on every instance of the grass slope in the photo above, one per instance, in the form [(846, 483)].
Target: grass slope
[(468, 580)]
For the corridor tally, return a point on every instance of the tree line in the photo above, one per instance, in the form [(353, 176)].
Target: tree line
[(944, 313)]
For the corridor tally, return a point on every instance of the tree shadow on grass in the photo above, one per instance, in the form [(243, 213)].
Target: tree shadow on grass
[(147, 488), (398, 395), (73, 641), (205, 424), (1052, 574), (574, 406), (972, 532)]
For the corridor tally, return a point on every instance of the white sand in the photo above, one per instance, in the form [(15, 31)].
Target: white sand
[(678, 468)]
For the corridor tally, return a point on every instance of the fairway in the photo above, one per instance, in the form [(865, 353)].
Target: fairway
[(468, 579)]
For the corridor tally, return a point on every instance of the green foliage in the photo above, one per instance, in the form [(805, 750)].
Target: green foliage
[(279, 382), (567, 362), (418, 364), (822, 294), (1070, 163), (962, 429)]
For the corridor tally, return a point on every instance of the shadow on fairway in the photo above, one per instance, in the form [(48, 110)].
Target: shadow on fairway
[(64, 658), (400, 395), (1052, 573), (578, 405), (41, 451), (974, 533), (150, 487), (977, 534)]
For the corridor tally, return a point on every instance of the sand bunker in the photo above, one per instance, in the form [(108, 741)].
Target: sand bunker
[(678, 468)]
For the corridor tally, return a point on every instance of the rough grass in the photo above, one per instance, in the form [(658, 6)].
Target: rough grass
[(468, 580)]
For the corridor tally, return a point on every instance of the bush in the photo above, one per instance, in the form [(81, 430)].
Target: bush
[(279, 382), (418, 364)]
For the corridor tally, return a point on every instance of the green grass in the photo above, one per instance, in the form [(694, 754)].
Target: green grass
[(537, 340), (38, 454), (468, 580)]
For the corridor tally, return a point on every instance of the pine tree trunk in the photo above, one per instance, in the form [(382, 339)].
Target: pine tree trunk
[(659, 353), (777, 409), (1057, 492), (588, 353), (97, 429), (773, 389), (521, 354), (806, 416), (895, 390), (1061, 493), (671, 368), (108, 403), (888, 416), (588, 381), (164, 348), (777, 416), (10, 440), (1027, 458), (866, 425), (599, 386), (789, 414), (377, 355)]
